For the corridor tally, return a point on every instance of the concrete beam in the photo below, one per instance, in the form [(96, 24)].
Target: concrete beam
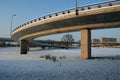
[(104, 17), (24, 47), (85, 44)]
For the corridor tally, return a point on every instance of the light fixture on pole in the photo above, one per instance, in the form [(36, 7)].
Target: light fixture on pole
[(11, 23), (76, 7)]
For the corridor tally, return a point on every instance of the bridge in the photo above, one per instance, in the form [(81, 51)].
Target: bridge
[(51, 43), (6, 39), (93, 16), (4, 42)]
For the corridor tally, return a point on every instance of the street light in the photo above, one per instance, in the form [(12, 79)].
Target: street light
[(11, 23), (76, 8)]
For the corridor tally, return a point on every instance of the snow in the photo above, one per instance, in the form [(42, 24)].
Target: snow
[(35, 53), (103, 52), (69, 70), (14, 66)]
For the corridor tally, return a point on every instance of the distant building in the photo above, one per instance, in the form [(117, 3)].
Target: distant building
[(104, 42), (95, 40), (104, 39)]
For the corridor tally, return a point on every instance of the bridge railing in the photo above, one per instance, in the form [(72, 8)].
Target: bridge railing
[(81, 8)]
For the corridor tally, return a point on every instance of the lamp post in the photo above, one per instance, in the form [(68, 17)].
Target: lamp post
[(11, 23), (76, 7)]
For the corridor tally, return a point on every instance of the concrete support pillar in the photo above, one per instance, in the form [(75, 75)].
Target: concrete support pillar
[(85, 44), (24, 47)]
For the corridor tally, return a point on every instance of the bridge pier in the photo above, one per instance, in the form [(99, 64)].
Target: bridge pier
[(24, 47), (85, 44)]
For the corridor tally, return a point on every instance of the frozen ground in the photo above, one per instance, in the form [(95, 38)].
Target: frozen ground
[(14, 66), (35, 53), (60, 70)]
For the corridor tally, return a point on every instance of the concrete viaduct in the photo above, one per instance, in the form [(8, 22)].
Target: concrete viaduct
[(95, 16)]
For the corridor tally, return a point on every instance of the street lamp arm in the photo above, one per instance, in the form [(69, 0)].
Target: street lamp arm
[(11, 23)]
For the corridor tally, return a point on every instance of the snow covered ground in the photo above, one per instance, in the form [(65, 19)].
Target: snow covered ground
[(14, 66), (35, 53)]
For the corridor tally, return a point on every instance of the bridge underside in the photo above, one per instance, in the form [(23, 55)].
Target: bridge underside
[(110, 20), (85, 44)]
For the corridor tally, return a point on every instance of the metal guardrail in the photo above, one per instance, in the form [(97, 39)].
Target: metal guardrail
[(81, 8)]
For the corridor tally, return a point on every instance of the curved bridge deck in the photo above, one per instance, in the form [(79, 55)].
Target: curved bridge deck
[(94, 16)]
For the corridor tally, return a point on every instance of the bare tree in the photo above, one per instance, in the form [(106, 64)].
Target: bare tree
[(67, 40)]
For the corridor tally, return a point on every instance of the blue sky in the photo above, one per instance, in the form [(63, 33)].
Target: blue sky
[(27, 10)]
